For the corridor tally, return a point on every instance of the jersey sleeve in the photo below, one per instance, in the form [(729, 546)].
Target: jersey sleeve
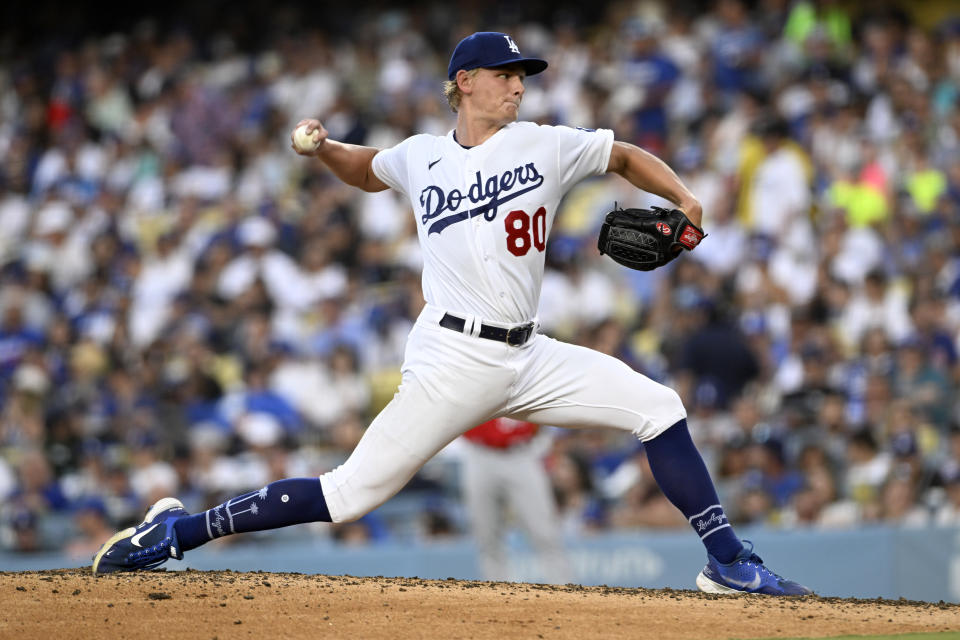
[(582, 153), (390, 165)]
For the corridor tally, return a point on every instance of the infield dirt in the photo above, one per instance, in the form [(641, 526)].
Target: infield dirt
[(66, 604)]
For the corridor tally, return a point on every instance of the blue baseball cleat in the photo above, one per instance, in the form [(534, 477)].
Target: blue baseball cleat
[(746, 574), (145, 546)]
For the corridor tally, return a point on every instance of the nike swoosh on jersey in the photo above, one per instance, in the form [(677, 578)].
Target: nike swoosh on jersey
[(135, 540), (430, 164), (753, 584)]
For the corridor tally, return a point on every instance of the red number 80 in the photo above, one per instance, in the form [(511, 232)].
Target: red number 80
[(519, 236)]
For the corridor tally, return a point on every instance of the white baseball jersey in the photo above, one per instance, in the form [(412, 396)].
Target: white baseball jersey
[(483, 216), (484, 212)]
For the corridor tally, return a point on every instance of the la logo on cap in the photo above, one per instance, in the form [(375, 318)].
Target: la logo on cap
[(513, 45)]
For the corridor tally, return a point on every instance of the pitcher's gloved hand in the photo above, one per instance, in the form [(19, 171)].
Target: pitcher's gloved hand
[(645, 239)]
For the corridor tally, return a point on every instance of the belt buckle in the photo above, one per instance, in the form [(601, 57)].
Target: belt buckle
[(523, 329)]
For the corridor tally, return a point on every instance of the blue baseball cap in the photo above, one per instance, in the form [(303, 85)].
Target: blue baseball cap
[(490, 49)]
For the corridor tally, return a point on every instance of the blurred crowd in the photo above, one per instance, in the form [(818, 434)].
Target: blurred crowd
[(189, 308)]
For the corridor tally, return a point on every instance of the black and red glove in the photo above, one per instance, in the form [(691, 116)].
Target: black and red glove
[(645, 239)]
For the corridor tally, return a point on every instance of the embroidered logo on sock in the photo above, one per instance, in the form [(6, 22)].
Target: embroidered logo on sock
[(217, 521), (709, 520)]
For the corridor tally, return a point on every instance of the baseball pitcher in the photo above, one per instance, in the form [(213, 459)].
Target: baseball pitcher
[(485, 196)]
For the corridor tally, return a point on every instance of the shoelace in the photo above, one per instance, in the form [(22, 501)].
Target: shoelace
[(758, 561), (154, 553)]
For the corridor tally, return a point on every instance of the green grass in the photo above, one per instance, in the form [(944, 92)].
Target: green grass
[(942, 635)]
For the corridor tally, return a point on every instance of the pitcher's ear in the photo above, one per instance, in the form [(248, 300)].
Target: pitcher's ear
[(465, 80)]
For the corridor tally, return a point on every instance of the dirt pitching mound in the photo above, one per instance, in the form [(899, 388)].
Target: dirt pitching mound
[(224, 604)]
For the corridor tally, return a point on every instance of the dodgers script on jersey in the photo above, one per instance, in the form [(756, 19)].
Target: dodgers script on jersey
[(484, 213)]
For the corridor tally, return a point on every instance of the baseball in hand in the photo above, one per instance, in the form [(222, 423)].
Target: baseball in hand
[(303, 140)]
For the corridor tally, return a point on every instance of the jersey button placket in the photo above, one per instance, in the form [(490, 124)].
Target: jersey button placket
[(487, 242), (468, 172), (478, 235)]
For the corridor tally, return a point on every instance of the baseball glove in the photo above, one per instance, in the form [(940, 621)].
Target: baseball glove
[(645, 239)]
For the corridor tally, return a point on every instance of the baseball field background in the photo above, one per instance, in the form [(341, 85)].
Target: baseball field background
[(877, 562), (303, 590), (126, 135), (191, 604)]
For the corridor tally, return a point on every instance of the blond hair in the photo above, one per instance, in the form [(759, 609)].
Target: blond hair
[(451, 90)]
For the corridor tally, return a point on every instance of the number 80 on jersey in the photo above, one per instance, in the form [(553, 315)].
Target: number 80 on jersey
[(524, 231)]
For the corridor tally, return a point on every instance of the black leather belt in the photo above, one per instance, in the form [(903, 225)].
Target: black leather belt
[(514, 336)]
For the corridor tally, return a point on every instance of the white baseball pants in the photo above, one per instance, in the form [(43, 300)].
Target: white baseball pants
[(452, 382)]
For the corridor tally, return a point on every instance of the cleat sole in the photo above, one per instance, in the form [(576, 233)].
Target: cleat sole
[(707, 585), (161, 505)]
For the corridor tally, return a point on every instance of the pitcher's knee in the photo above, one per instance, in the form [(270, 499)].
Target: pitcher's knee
[(349, 514), (665, 409), (672, 399), (353, 505)]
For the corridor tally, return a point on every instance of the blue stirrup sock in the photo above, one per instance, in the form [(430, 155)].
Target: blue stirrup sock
[(279, 504), (683, 477)]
